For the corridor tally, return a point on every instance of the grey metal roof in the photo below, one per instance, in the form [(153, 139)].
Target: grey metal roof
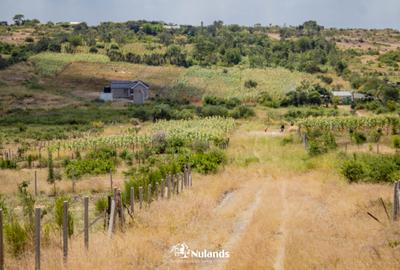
[(126, 84), (342, 93)]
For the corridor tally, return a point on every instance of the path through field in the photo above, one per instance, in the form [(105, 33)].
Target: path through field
[(270, 208)]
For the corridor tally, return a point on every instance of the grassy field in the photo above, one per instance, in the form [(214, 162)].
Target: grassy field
[(272, 207), (52, 63), (229, 82)]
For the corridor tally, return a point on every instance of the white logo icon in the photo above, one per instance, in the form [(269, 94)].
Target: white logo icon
[(182, 251)]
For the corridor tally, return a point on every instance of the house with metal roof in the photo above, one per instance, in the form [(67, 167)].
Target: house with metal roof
[(134, 91), (347, 97)]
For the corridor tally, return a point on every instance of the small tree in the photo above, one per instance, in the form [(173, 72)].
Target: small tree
[(18, 19), (53, 176)]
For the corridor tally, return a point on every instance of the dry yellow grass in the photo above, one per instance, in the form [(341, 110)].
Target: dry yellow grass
[(271, 207)]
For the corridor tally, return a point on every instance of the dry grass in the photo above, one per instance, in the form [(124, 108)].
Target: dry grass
[(305, 213)]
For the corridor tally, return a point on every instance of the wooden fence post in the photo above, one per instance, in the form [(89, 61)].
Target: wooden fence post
[(36, 184), (1, 241), (169, 187), (178, 183), (156, 192), (181, 177), (396, 201), (111, 222), (86, 221), (37, 238), (162, 188), (132, 199), (148, 194), (65, 231), (185, 176), (140, 197), (305, 141)]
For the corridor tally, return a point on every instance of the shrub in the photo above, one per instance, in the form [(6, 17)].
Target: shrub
[(353, 170), (101, 205), (78, 168), (371, 168), (8, 164), (17, 237), (316, 148), (396, 142), (93, 50), (358, 137), (250, 84), (58, 214), (208, 162), (242, 112)]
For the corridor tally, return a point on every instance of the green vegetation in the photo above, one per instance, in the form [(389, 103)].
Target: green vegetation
[(52, 63), (371, 168)]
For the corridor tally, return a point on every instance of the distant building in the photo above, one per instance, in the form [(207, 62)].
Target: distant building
[(74, 23), (171, 26), (134, 91), (347, 97)]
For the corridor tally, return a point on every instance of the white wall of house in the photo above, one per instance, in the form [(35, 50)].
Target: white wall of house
[(106, 96)]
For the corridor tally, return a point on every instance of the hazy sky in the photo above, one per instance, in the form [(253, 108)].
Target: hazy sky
[(335, 13)]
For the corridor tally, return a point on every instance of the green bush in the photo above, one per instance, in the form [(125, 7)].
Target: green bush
[(242, 112), (208, 162), (371, 168), (17, 237), (316, 148), (250, 84), (8, 164), (396, 142), (101, 205), (58, 214), (353, 170), (78, 168)]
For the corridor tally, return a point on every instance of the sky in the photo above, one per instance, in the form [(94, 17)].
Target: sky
[(330, 13)]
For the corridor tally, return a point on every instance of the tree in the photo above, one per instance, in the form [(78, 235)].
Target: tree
[(53, 176), (233, 56), (18, 19)]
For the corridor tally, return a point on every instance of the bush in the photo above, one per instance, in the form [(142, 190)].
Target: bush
[(78, 168), (396, 142), (101, 205), (316, 148), (93, 50), (242, 112), (58, 214), (353, 170), (17, 237), (208, 162), (250, 84), (8, 164), (371, 168)]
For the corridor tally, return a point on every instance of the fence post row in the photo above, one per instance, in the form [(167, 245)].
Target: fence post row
[(86, 221), (65, 231), (37, 238)]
